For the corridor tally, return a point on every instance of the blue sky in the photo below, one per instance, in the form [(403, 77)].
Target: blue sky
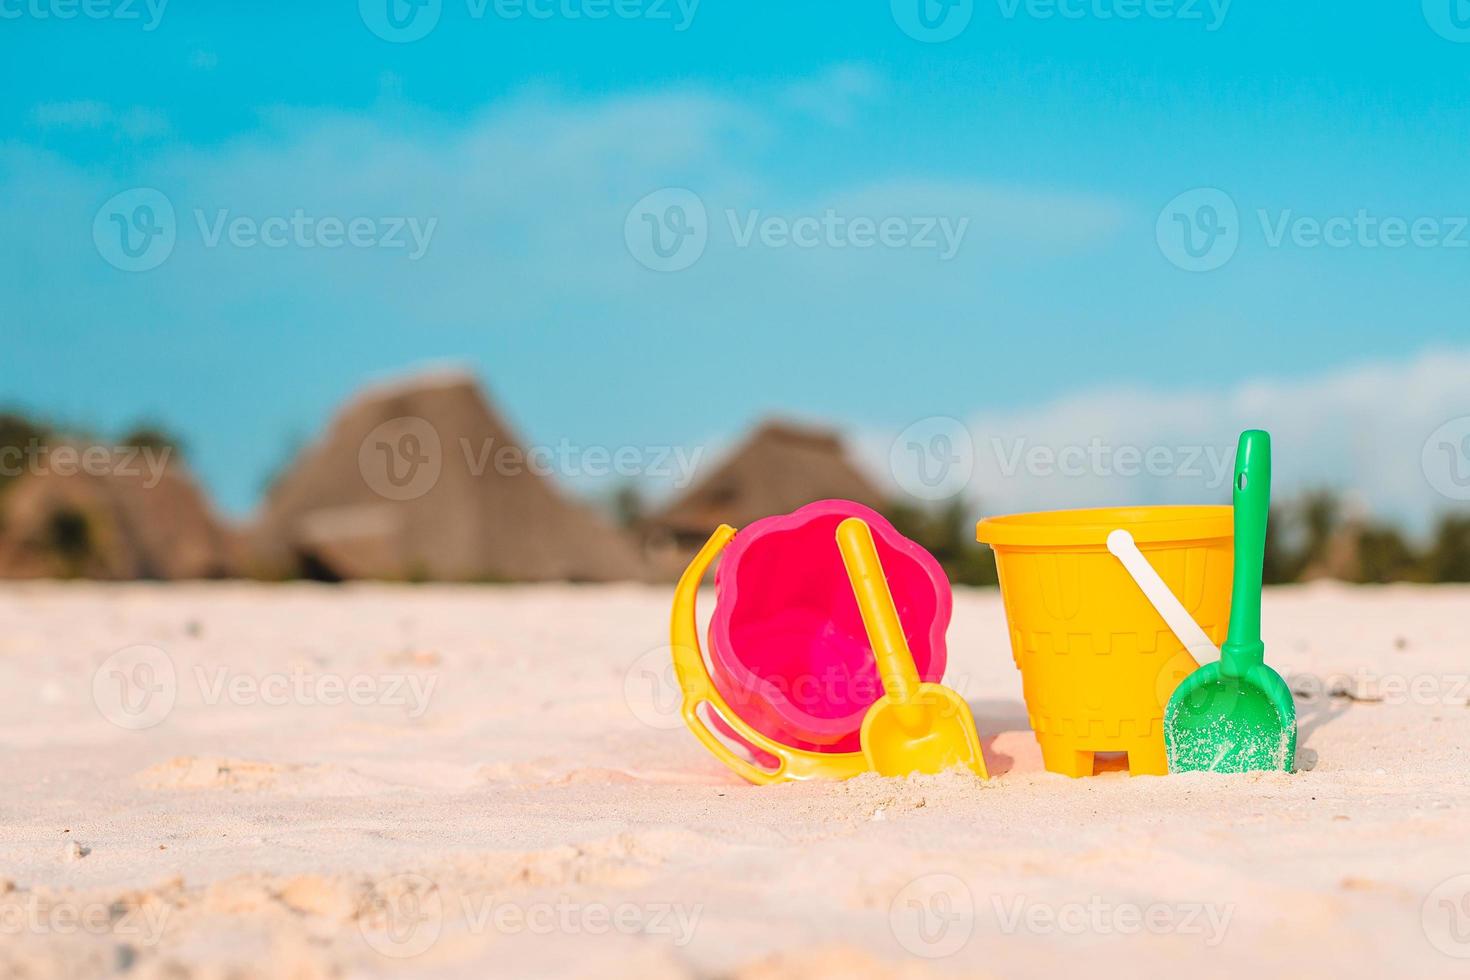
[(1055, 134)]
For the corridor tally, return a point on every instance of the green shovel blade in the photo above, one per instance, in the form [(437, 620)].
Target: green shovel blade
[(1215, 723)]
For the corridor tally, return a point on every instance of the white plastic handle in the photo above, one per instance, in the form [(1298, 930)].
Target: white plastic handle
[(1125, 549)]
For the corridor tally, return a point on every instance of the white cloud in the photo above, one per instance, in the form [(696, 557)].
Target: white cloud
[(1360, 431), (835, 96), (516, 188), (135, 123), (77, 114)]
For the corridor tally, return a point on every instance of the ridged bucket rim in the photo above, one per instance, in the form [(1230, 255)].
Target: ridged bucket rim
[(1090, 526)]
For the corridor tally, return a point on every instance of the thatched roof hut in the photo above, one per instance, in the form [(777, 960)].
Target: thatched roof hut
[(422, 479), (115, 518), (780, 467)]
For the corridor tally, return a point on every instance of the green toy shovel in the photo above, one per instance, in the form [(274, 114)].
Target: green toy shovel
[(1237, 715)]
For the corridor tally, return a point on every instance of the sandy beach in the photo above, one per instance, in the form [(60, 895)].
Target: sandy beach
[(236, 780)]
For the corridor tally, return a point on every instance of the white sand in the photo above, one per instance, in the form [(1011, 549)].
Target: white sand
[(529, 820)]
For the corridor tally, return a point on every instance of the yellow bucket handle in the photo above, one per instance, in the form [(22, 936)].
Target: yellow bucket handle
[(698, 688)]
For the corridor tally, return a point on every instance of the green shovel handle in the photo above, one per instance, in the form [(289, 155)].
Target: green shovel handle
[(1243, 648)]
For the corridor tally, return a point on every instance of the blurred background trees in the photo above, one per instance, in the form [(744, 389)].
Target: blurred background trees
[(1314, 536), (1311, 537)]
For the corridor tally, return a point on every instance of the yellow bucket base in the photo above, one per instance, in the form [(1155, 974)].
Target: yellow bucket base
[(1065, 756)]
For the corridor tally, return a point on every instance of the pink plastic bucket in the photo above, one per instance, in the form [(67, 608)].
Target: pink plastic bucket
[(787, 646)]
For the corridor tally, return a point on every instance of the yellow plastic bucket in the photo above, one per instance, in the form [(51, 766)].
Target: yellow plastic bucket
[(1097, 662)]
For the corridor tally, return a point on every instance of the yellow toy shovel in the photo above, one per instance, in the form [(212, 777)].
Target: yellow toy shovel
[(914, 727)]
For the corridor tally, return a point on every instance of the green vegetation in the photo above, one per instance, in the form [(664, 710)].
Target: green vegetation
[(948, 534), (628, 506), (1448, 558), (1311, 537), (148, 435)]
